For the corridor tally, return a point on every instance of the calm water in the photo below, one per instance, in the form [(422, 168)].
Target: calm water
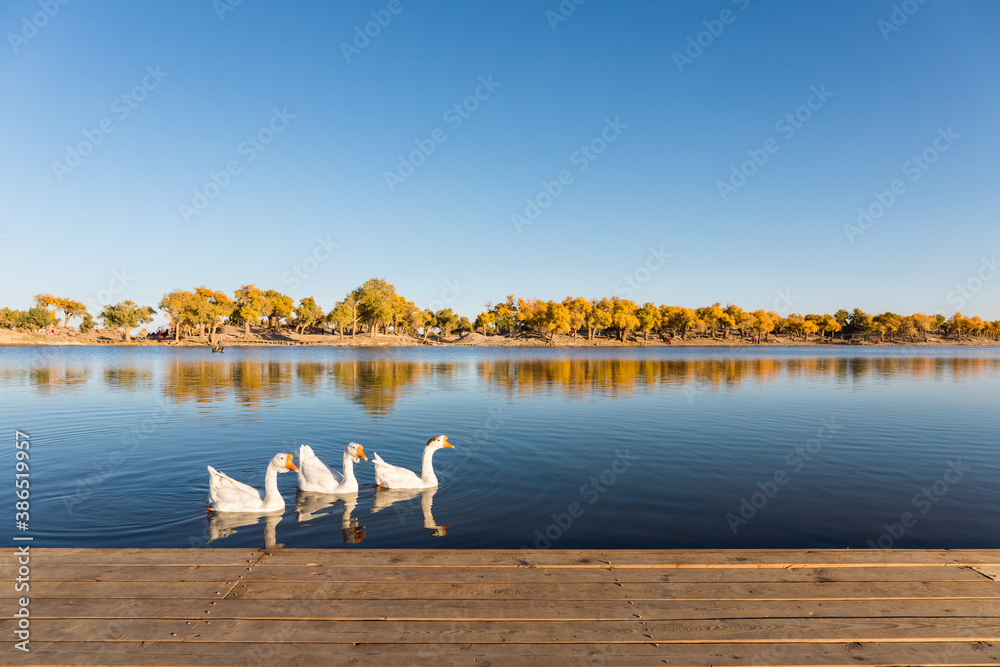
[(658, 447)]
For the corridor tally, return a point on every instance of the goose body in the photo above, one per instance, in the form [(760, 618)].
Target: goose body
[(228, 495), (316, 477), (394, 477)]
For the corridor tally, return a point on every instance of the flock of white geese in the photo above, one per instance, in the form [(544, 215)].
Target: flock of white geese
[(233, 498)]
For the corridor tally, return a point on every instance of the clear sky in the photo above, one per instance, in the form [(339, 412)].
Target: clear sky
[(739, 138)]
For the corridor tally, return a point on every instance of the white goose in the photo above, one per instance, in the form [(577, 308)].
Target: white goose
[(228, 495), (394, 477), (316, 477)]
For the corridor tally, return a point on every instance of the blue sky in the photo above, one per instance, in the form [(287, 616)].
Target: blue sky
[(201, 85)]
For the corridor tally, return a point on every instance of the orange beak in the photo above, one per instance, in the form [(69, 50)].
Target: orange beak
[(289, 464), (448, 444), (361, 453)]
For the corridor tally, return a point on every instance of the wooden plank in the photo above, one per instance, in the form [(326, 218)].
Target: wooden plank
[(583, 575), (504, 574), (154, 557), (95, 630), (356, 590), (609, 591), (755, 558), (404, 609), (599, 632), (624, 558), (128, 590), (502, 609), (989, 572), (44, 572), (164, 654)]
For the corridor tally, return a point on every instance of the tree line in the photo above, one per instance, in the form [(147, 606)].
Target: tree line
[(375, 307), (626, 320)]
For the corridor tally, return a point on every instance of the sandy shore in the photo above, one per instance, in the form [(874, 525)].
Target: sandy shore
[(233, 337)]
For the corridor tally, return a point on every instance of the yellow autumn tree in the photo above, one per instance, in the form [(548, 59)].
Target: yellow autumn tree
[(623, 317), (649, 318), (579, 308), (599, 317), (553, 318)]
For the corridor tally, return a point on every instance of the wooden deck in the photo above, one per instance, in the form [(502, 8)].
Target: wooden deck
[(494, 607)]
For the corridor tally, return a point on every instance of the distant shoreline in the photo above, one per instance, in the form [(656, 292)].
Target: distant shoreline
[(233, 337)]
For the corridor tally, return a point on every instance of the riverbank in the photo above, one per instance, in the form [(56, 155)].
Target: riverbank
[(235, 337)]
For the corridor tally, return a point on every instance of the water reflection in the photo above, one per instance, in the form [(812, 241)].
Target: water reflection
[(386, 498), (248, 382), (223, 524), (311, 506), (376, 385), (53, 378), (128, 377), (578, 378)]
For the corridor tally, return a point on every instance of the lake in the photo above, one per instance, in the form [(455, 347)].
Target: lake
[(823, 447)]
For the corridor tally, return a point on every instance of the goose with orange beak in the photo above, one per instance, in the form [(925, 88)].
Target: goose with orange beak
[(227, 495), (316, 477), (394, 477)]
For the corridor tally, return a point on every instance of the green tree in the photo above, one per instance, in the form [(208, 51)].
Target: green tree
[(861, 322), (37, 317), (376, 300), (9, 318), (87, 324), (308, 314), (445, 320), (126, 315), (46, 301), (340, 316)]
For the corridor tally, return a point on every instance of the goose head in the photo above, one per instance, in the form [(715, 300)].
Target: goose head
[(356, 452), (439, 442), (283, 462)]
